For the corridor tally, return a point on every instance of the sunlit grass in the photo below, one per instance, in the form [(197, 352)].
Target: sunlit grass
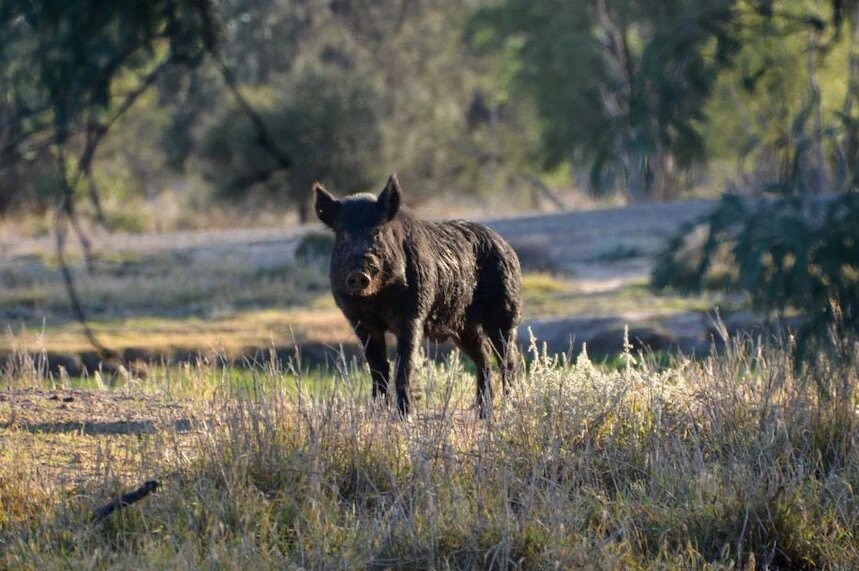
[(232, 332), (541, 283), (729, 461)]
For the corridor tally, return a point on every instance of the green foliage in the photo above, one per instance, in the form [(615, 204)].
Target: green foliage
[(619, 88), (793, 253), (457, 96), (64, 76), (408, 61), (60, 63), (405, 64), (642, 94), (327, 122), (782, 117)]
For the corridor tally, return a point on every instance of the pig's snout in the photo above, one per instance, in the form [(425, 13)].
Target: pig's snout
[(356, 282)]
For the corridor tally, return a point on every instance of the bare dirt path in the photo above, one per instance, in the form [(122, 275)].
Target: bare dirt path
[(568, 237), (582, 240)]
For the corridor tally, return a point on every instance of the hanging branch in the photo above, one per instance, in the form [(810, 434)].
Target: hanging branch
[(94, 195), (95, 132), (264, 138), (45, 109), (541, 189), (98, 131), (66, 213)]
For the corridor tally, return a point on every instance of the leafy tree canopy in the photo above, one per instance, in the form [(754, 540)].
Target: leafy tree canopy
[(619, 86), (327, 120)]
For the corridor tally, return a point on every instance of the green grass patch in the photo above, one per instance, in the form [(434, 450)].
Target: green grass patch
[(541, 283)]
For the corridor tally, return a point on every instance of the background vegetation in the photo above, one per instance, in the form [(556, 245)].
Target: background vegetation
[(188, 102)]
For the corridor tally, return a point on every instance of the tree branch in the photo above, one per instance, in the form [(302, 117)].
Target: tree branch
[(264, 138), (66, 211), (97, 133)]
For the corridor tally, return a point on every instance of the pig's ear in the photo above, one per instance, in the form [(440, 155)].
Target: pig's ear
[(326, 206), (390, 198)]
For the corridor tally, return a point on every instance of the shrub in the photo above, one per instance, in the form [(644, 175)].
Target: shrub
[(327, 123), (794, 253)]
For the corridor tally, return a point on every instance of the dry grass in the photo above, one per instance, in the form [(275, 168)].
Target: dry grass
[(727, 462), (232, 333)]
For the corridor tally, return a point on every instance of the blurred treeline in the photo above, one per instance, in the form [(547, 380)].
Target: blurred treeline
[(105, 105)]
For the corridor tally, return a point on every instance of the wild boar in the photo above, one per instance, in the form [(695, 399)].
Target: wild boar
[(446, 280)]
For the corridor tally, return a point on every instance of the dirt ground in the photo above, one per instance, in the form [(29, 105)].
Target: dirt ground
[(567, 238), (66, 437)]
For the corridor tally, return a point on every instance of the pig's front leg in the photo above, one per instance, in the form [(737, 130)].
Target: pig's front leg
[(408, 342), (374, 351)]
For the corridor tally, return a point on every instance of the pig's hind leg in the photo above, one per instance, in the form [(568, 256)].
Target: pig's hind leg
[(507, 353), (475, 345)]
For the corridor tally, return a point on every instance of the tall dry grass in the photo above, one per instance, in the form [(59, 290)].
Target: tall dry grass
[(731, 461)]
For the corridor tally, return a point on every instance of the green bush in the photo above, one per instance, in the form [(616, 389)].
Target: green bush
[(795, 253), (327, 123)]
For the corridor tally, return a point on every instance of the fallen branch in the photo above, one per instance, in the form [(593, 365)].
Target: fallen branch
[(126, 500)]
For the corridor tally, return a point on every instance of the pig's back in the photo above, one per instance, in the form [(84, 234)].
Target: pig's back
[(478, 275)]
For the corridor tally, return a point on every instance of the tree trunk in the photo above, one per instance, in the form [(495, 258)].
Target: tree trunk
[(817, 177), (637, 185), (851, 98), (617, 102)]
